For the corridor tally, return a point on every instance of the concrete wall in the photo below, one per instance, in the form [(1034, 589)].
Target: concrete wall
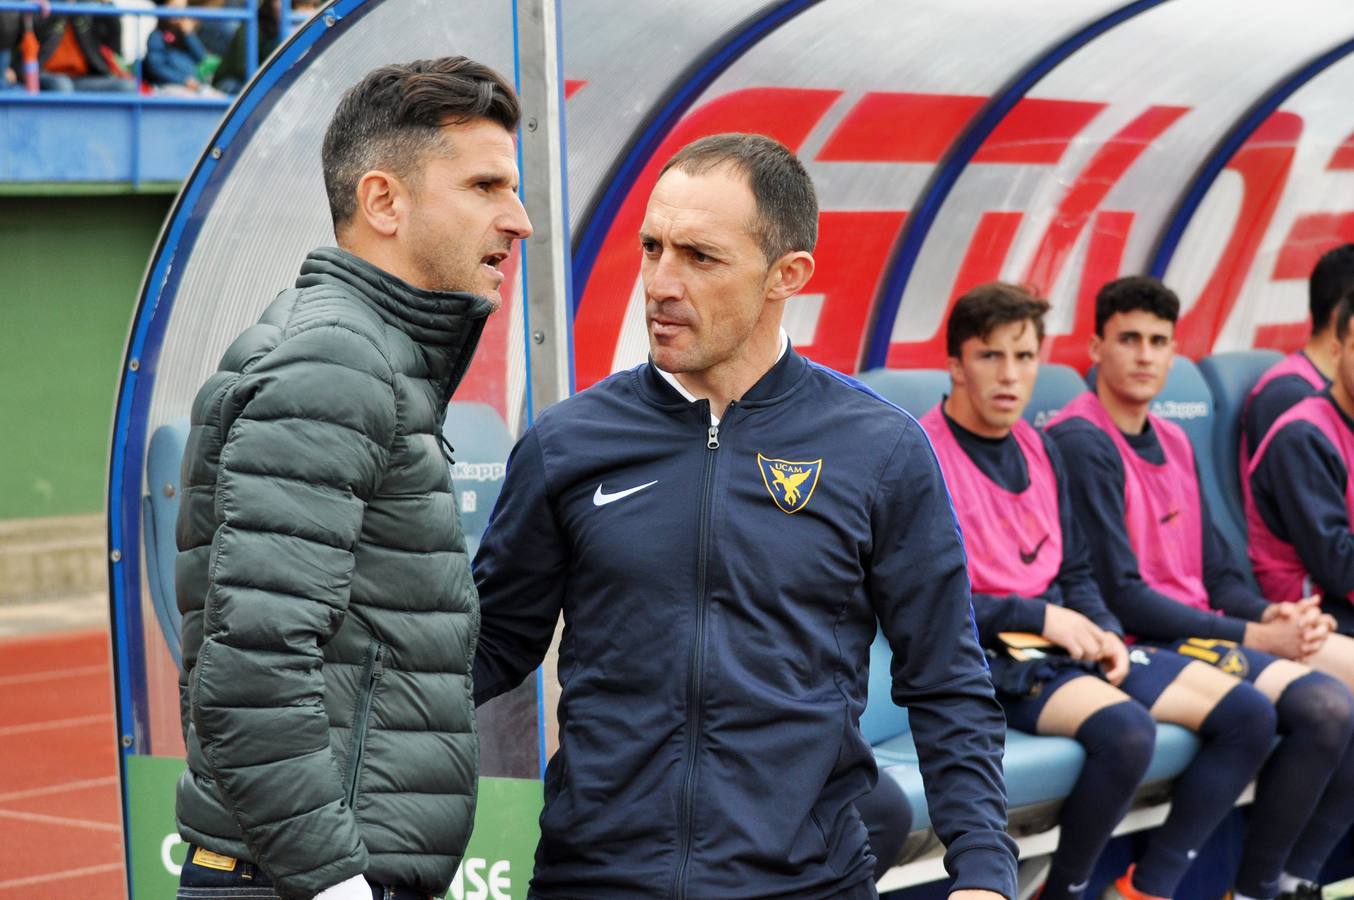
[(70, 267)]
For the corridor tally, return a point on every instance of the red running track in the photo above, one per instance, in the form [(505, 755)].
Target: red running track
[(60, 813)]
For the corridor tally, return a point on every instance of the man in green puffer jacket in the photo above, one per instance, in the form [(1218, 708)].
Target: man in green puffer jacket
[(329, 616)]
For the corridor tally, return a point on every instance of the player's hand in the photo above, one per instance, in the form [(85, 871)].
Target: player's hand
[(1276, 611), (1285, 635), (1315, 627), (976, 895), (1113, 658), (1078, 635), (355, 888)]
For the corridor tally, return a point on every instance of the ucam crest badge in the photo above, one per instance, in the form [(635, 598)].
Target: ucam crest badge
[(790, 484)]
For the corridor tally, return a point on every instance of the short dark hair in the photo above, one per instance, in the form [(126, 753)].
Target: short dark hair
[(1342, 314), (1132, 293), (787, 205), (1332, 278), (988, 305), (392, 119)]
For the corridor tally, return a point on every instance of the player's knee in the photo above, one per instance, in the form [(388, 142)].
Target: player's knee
[(1244, 717), (1320, 706), (1123, 735)]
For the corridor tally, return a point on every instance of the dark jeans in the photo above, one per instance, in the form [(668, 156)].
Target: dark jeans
[(245, 881)]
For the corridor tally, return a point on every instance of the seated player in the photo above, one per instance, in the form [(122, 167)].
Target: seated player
[(1208, 645), (1307, 371), (1300, 503), (1030, 572)]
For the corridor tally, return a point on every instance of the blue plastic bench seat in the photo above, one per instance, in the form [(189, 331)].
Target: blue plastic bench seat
[(1038, 769)]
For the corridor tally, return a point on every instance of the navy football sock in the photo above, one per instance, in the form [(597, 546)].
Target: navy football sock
[(1236, 735), (1308, 781), (1119, 740)]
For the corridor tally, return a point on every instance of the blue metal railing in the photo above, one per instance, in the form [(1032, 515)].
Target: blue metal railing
[(248, 16)]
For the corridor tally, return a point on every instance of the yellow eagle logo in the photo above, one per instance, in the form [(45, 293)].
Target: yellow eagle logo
[(790, 484)]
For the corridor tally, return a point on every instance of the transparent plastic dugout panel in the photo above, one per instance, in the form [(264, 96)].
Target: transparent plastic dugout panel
[(1293, 177), (871, 95), (1078, 182)]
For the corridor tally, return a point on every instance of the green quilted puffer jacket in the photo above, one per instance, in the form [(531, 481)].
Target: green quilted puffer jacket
[(329, 615)]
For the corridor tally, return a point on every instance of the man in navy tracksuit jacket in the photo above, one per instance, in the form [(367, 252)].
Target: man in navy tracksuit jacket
[(722, 528)]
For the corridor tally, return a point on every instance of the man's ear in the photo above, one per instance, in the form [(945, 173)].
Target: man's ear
[(381, 202), (1094, 348), (789, 274), (957, 379)]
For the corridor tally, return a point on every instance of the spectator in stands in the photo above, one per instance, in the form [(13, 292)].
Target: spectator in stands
[(724, 529), (231, 74), (176, 61), (11, 29), (1209, 647), (1307, 371), (1030, 572), (216, 34), (328, 609), (1301, 501), (80, 53)]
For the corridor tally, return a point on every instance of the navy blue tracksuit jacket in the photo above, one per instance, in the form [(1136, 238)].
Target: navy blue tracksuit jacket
[(721, 588)]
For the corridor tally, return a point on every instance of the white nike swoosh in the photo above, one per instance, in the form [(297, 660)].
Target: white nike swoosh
[(601, 498)]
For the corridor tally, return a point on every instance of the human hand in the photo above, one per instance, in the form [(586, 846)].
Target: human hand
[(1113, 658), (1295, 631), (975, 895), (355, 888), (1078, 635), (1316, 625)]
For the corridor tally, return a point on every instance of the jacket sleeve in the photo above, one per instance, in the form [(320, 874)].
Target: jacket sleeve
[(1076, 578), (918, 584), (519, 571), (1299, 490), (307, 431), (1096, 488), (995, 613)]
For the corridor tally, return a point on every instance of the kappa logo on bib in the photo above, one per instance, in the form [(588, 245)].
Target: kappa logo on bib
[(790, 484)]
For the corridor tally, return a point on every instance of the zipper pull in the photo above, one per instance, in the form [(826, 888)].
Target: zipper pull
[(377, 669), (712, 441)]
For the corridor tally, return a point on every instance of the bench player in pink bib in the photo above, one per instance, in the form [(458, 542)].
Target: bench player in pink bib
[(1307, 371), (1301, 504), (1166, 573), (1030, 572)]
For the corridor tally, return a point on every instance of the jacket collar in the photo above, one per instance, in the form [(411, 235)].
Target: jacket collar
[(446, 324), (771, 388)]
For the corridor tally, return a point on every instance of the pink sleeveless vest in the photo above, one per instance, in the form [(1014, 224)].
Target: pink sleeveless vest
[(1014, 541), (1162, 509), (1295, 363), (1281, 575)]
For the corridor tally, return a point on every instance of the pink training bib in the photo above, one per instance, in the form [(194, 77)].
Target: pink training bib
[(1279, 571), (1162, 509), (1295, 363), (1014, 540)]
